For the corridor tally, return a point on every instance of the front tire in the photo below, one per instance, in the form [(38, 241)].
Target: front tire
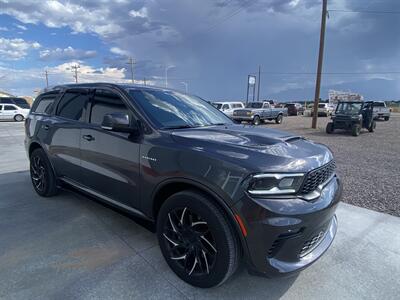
[(43, 178), (279, 119), (18, 118), (329, 128), (196, 239), (256, 120), (356, 130)]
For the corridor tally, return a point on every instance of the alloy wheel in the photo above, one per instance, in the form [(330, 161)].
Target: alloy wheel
[(190, 244), (38, 173)]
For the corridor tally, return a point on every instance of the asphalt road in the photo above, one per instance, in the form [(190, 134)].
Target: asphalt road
[(72, 247)]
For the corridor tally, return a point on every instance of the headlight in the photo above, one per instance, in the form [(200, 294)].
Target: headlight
[(275, 184), (249, 113)]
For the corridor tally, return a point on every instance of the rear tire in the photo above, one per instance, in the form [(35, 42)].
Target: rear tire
[(43, 178), (329, 128), (356, 130), (256, 120), (205, 254), (386, 118), (18, 118), (279, 119)]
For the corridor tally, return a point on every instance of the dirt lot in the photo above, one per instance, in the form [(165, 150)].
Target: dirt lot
[(369, 164)]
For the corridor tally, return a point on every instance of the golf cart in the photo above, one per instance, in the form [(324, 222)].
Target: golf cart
[(352, 115)]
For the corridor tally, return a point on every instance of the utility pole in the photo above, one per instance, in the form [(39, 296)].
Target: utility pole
[(144, 81), (46, 73), (186, 86), (131, 62), (259, 83), (166, 74), (320, 61), (75, 70)]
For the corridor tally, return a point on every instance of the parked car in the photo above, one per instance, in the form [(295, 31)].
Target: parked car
[(352, 116), (20, 102), (294, 109), (381, 110), (218, 192), (325, 109), (228, 107), (11, 112), (256, 112)]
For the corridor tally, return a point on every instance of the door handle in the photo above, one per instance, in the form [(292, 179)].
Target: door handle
[(45, 127), (88, 137)]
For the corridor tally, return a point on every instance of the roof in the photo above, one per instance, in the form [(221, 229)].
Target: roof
[(103, 84)]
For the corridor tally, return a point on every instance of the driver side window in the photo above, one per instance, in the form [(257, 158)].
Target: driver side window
[(105, 102)]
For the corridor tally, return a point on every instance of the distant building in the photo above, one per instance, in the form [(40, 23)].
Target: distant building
[(4, 94), (336, 96)]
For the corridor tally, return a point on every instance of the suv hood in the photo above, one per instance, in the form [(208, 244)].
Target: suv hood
[(263, 148)]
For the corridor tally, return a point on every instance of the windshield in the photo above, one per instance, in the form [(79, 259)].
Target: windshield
[(254, 105), (379, 104), (349, 108), (170, 109)]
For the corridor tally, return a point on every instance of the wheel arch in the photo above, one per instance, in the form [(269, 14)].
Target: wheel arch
[(33, 146), (170, 187)]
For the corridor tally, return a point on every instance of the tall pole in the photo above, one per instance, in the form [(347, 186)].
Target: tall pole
[(144, 80), (259, 83), (75, 70), (186, 86), (166, 74), (248, 88), (320, 61), (46, 73), (131, 62)]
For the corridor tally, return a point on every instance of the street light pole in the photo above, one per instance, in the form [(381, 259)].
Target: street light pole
[(320, 61), (186, 86), (166, 74)]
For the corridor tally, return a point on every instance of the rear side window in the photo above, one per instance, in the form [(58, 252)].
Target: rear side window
[(9, 107), (105, 102), (44, 105), (237, 105), (72, 105)]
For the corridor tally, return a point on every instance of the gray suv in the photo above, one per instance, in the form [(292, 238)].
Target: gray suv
[(219, 193)]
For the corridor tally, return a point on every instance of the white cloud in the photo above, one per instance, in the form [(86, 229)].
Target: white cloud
[(22, 27), (141, 13), (119, 51), (2, 28), (66, 54), (15, 49)]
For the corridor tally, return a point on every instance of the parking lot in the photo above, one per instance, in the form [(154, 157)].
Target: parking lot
[(70, 246)]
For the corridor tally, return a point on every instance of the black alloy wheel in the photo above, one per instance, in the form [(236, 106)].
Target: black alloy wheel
[(196, 239), (42, 175), (190, 242)]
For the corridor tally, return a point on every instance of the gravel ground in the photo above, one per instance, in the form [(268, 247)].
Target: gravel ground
[(369, 164)]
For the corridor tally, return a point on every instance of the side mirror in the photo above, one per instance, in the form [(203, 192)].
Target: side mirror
[(119, 122)]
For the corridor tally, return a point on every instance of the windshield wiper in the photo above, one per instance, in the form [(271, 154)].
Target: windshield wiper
[(177, 127)]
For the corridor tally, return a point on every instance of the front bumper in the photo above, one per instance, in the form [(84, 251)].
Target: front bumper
[(243, 118), (285, 236)]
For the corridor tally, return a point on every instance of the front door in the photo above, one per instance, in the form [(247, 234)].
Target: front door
[(110, 160), (9, 111)]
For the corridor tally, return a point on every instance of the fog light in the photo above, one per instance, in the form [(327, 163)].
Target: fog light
[(286, 182)]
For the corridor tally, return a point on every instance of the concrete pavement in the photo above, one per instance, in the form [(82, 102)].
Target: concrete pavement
[(72, 247)]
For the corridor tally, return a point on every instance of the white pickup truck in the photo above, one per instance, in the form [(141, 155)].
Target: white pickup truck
[(228, 107), (381, 110)]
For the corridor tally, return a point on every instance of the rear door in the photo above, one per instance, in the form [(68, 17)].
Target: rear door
[(9, 111), (110, 160), (1, 112), (65, 132)]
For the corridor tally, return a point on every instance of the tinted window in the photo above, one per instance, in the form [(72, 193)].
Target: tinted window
[(225, 106), (237, 105), (21, 102), (321, 105), (377, 104), (105, 102), (254, 105), (44, 104), (217, 105), (169, 109), (9, 107), (72, 105)]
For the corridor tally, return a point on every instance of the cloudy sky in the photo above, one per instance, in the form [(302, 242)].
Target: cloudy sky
[(212, 45)]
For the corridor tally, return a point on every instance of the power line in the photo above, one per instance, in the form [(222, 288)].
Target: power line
[(366, 11), (75, 70), (332, 73)]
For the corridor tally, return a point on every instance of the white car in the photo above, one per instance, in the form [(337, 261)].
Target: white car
[(325, 109), (228, 107), (11, 112)]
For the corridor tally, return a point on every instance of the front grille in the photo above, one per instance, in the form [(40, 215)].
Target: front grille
[(318, 176), (312, 243), (240, 113)]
